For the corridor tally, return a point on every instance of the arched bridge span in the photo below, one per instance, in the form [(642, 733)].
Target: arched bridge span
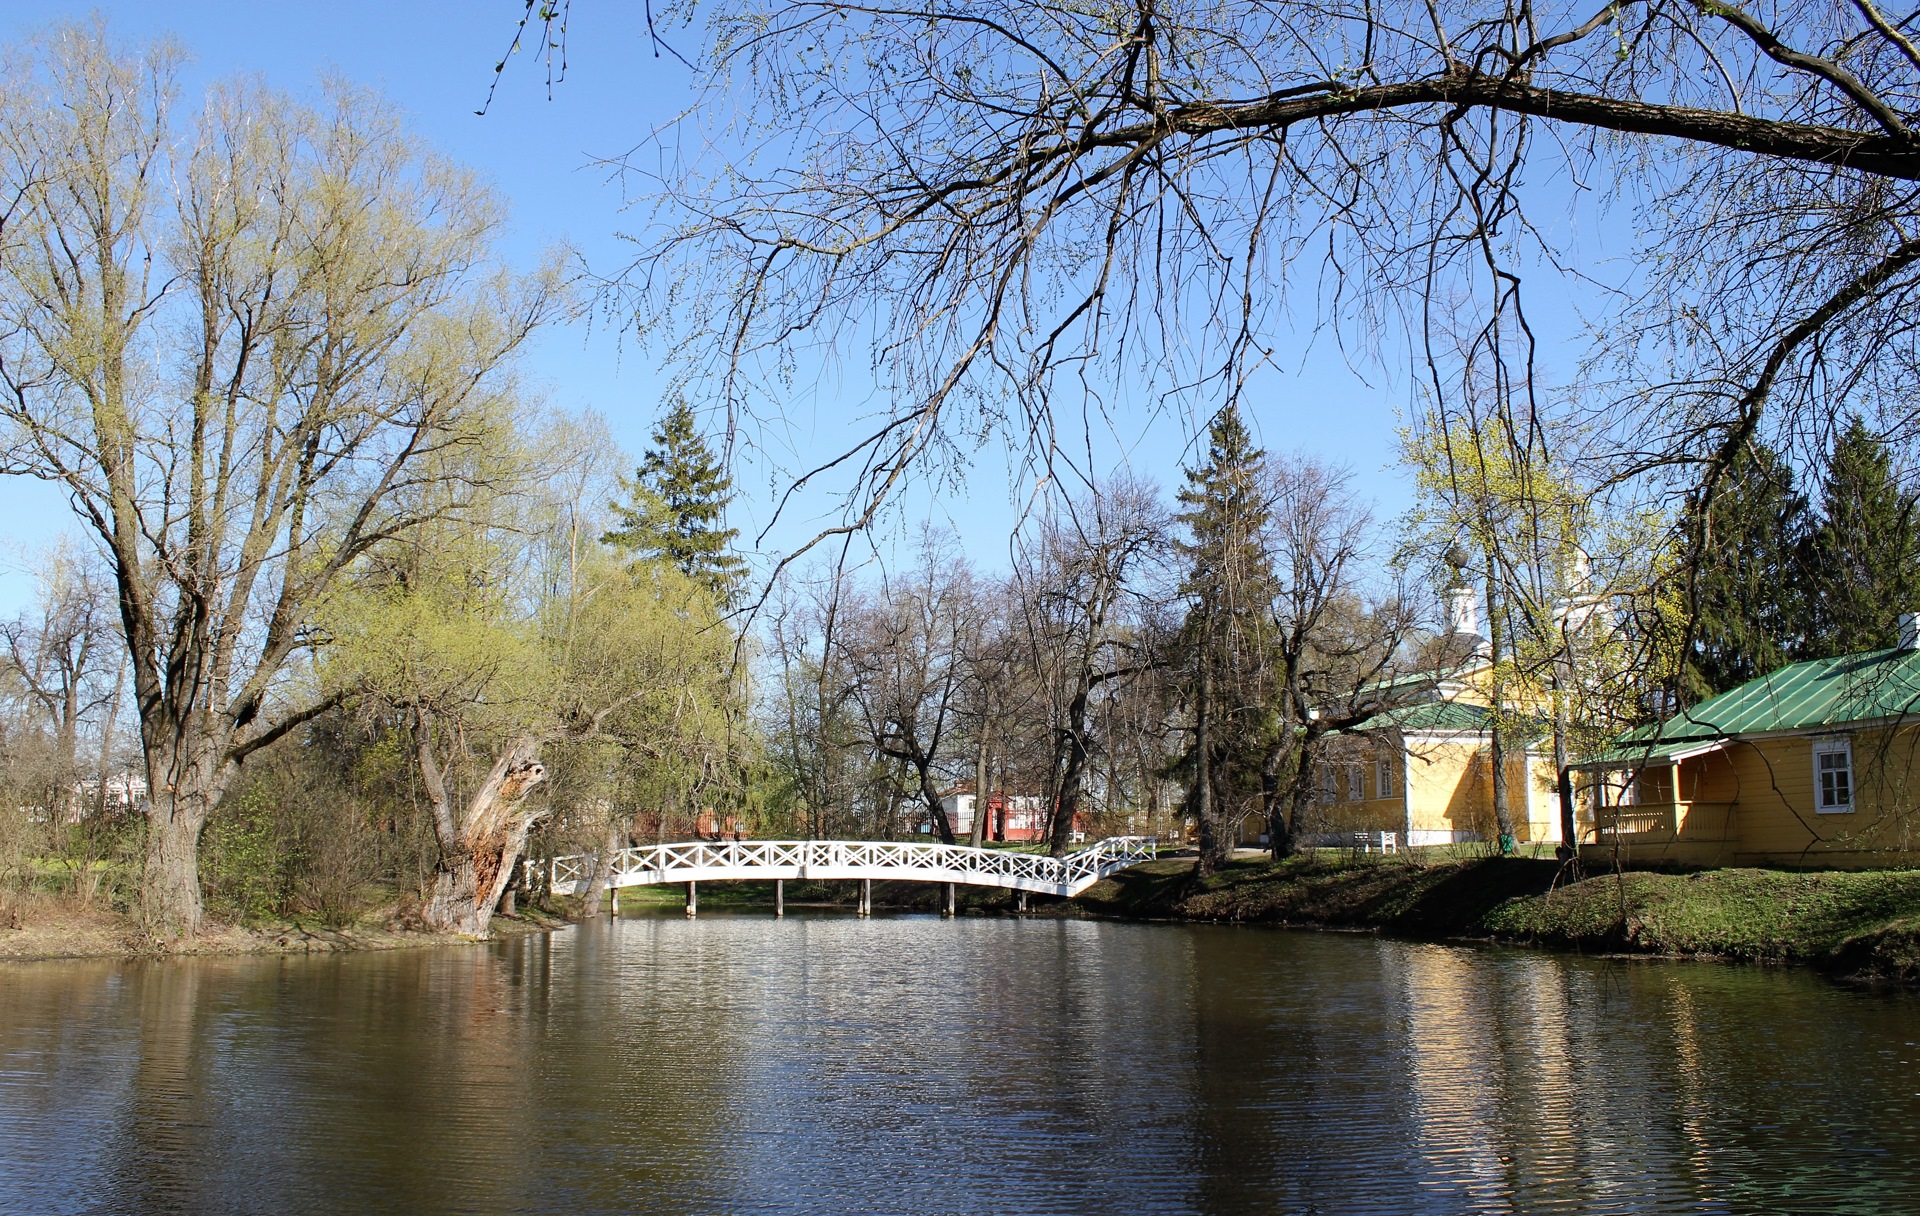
[(876, 860)]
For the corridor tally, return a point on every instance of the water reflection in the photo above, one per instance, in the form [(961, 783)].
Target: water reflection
[(830, 1064)]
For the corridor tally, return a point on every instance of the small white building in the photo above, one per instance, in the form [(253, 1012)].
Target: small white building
[(1010, 817)]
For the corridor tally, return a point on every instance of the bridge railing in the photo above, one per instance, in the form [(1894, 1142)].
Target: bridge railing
[(880, 858)]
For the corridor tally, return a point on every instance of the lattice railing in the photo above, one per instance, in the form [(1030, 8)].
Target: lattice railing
[(885, 859)]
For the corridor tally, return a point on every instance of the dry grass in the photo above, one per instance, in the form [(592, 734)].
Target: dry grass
[(49, 927)]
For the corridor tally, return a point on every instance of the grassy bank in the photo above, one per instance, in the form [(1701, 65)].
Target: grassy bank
[(61, 928), (1857, 923)]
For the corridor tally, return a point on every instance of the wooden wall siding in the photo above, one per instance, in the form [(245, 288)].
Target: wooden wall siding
[(1754, 803)]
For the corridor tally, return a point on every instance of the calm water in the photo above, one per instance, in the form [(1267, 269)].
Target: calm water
[(825, 1064)]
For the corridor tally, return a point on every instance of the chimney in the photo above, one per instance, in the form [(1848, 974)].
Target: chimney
[(1910, 631), (1463, 612)]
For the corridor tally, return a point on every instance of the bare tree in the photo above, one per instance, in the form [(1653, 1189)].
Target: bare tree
[(65, 656), (993, 690), (998, 194), (1342, 655), (1075, 584), (904, 648)]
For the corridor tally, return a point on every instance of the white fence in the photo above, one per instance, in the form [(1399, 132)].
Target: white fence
[(883, 860)]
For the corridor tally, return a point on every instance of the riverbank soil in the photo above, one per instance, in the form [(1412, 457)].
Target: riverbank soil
[(49, 928), (1852, 922)]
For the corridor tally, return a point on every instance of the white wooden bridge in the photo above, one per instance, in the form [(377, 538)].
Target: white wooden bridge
[(865, 860)]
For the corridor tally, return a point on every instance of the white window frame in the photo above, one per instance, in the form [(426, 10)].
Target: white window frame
[(1356, 782), (1383, 778), (1842, 747)]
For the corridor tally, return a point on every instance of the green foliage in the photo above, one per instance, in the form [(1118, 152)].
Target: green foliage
[(247, 870), (1749, 578), (677, 513), (1865, 552), (1776, 581), (1226, 638)]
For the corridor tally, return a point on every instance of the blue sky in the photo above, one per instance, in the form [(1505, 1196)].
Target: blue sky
[(435, 61)]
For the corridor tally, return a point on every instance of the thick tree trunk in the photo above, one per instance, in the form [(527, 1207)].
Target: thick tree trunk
[(182, 793), (1279, 820), (478, 854), (170, 880), (1073, 774)]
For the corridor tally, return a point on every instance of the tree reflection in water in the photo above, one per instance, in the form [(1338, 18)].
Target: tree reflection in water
[(824, 1063)]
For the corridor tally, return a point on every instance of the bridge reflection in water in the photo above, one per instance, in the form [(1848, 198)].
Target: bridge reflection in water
[(864, 860)]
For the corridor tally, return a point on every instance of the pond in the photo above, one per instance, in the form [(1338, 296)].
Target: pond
[(828, 1064)]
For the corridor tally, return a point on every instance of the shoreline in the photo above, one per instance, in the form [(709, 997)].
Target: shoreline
[(1853, 925), (66, 933)]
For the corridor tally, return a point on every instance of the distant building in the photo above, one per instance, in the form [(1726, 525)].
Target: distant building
[(122, 793), (1011, 818), (1423, 770)]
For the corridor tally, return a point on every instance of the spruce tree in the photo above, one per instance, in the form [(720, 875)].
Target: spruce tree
[(678, 509), (1750, 575), (1230, 590), (1865, 555)]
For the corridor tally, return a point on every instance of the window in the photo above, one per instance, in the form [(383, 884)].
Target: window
[(1356, 783), (1383, 778), (1832, 776), (1326, 784)]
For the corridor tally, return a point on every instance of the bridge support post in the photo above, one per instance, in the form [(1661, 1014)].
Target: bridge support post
[(946, 909), (693, 898), (866, 897), (779, 897), (613, 895), (1021, 902)]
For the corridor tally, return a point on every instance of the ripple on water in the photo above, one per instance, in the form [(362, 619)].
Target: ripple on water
[(834, 1065)]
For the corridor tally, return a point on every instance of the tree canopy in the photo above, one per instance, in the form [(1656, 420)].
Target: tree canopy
[(677, 512)]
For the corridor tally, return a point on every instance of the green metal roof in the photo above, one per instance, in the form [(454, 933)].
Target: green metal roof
[(1804, 696), (1432, 715), (1623, 752)]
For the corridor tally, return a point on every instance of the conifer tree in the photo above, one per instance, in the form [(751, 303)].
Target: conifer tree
[(1230, 590), (1749, 600), (677, 515), (1865, 554)]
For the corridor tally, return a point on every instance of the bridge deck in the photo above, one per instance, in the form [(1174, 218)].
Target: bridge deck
[(881, 860)]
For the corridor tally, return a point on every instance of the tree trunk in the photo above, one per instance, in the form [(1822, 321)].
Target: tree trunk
[(1563, 779), (1073, 774), (978, 835), (170, 880), (1279, 821), (602, 871), (1212, 854), (477, 856), (1306, 773), (181, 794), (941, 825), (1502, 810)]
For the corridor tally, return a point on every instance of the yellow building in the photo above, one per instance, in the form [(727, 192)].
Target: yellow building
[(1424, 772), (1811, 765)]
